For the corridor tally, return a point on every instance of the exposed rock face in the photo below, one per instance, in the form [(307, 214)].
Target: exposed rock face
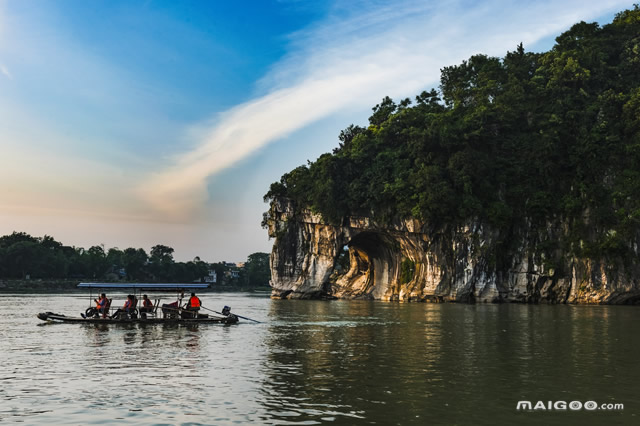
[(405, 261)]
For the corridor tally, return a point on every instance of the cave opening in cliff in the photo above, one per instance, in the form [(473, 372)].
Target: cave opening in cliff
[(369, 251), (373, 244)]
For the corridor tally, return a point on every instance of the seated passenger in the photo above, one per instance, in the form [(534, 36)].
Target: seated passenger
[(126, 309), (147, 305), (102, 305), (134, 303)]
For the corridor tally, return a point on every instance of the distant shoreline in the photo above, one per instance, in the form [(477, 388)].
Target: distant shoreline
[(71, 286)]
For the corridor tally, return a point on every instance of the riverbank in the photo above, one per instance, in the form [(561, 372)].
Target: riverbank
[(71, 286)]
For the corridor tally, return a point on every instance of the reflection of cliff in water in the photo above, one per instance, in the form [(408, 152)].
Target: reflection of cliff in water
[(338, 360), (344, 360)]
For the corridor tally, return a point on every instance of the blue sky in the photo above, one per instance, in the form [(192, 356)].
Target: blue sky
[(134, 123)]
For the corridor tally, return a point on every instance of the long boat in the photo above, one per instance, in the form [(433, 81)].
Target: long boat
[(173, 313), (53, 317)]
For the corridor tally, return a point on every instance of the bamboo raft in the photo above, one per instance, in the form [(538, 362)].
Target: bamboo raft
[(165, 314), (202, 318)]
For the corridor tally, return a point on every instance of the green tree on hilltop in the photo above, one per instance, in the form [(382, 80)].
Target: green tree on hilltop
[(519, 141)]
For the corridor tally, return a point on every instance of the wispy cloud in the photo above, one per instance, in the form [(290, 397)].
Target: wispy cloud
[(5, 71), (360, 53)]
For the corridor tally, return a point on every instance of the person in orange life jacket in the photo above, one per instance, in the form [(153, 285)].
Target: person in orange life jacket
[(126, 308), (194, 304), (147, 305), (100, 301), (102, 305), (128, 304)]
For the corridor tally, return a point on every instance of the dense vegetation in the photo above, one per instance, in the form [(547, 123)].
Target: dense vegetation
[(22, 256), (528, 140)]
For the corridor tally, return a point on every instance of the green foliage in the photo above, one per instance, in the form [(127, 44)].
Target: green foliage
[(161, 262), (22, 256), (134, 261), (512, 142), (257, 270), (407, 270)]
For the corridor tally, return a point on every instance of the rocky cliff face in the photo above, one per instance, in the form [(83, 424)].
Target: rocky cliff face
[(406, 261)]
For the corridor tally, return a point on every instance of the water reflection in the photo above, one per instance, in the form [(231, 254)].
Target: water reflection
[(326, 368), (310, 362), (355, 362)]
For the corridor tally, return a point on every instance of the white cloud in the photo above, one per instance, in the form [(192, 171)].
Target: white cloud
[(5, 71), (358, 55)]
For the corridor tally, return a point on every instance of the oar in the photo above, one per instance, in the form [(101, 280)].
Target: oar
[(239, 316)]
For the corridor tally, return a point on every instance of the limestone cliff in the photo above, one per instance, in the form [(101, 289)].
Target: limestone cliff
[(406, 261)]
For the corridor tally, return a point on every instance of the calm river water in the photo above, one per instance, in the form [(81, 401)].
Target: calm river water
[(310, 362)]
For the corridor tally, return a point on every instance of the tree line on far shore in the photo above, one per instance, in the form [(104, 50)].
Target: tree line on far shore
[(23, 256)]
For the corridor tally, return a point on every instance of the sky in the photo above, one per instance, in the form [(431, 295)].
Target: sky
[(135, 123)]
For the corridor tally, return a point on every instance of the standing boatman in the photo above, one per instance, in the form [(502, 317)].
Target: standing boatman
[(194, 304)]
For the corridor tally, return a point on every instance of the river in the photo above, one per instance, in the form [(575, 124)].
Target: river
[(312, 362)]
